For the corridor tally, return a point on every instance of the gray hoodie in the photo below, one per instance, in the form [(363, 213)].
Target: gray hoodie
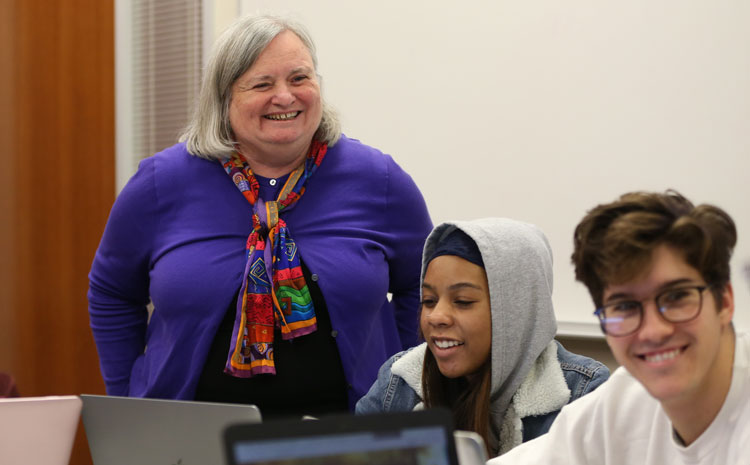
[(533, 376), (518, 262)]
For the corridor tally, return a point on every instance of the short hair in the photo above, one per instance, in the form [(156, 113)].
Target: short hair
[(615, 241), (209, 134)]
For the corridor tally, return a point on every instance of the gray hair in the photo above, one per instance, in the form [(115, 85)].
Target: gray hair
[(209, 134)]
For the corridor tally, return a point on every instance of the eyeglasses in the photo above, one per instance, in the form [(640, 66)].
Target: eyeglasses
[(677, 305)]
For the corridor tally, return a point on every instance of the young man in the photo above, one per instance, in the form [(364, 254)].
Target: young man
[(657, 268)]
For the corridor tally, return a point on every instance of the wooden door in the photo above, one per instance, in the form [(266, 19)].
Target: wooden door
[(56, 188)]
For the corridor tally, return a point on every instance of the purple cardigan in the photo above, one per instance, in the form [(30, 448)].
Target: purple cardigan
[(176, 236)]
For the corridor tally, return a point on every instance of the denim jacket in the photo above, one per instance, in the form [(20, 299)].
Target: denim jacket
[(581, 375)]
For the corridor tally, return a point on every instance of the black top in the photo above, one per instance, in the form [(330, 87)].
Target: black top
[(309, 378)]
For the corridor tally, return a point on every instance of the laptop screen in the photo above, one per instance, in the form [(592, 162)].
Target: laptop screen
[(414, 438)]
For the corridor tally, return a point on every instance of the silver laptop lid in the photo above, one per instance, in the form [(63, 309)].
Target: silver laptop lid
[(128, 430), (38, 430), (470, 448)]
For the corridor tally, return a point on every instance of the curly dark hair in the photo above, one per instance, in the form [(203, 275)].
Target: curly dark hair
[(615, 241)]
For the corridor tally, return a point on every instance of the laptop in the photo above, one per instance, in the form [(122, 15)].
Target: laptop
[(38, 430), (470, 448), (410, 438), (129, 430)]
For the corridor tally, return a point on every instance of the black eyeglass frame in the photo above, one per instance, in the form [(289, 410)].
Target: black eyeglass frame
[(599, 312)]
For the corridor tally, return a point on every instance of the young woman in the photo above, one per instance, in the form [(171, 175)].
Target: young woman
[(488, 326)]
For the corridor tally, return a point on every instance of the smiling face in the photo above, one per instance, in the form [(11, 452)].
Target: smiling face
[(678, 363), (276, 105), (455, 319)]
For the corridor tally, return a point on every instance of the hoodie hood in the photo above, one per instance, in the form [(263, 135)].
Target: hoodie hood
[(518, 262)]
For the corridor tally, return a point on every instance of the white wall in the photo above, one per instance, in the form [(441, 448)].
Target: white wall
[(538, 110)]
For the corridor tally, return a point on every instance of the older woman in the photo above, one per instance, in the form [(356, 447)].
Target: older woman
[(266, 241)]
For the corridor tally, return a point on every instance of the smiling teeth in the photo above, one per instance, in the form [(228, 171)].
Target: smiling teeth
[(447, 344), (283, 116), (662, 356)]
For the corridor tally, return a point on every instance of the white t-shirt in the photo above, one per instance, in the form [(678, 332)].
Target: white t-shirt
[(621, 424)]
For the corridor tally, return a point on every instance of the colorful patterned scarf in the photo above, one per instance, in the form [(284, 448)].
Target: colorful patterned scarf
[(264, 303)]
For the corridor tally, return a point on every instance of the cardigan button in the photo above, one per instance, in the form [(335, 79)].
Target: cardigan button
[(334, 333), (314, 277)]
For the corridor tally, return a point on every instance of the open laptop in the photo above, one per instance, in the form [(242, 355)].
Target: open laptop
[(470, 448), (411, 438), (128, 430), (38, 430)]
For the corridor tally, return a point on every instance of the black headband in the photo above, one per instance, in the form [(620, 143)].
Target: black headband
[(458, 243)]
